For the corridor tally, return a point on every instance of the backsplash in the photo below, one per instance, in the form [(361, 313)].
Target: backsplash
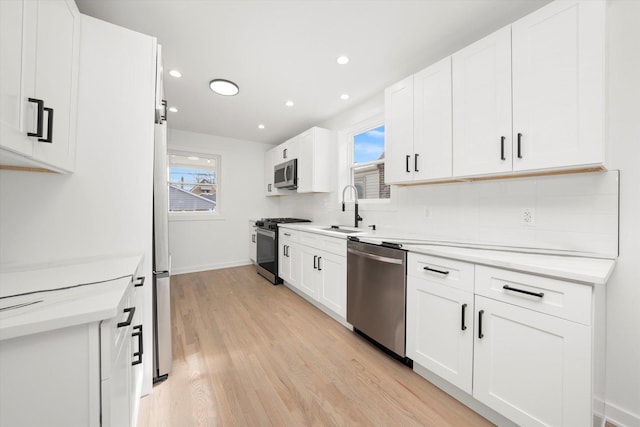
[(577, 212)]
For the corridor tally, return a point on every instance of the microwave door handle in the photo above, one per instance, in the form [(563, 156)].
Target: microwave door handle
[(286, 173)]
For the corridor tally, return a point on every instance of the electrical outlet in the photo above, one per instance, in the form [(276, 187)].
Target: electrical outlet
[(528, 217), (427, 212)]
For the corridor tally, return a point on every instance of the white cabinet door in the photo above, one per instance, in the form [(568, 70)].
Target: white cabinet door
[(482, 106), (316, 165), (440, 330), (310, 277), (398, 117), (432, 143), (56, 80), (533, 368), (558, 86), (333, 286), (116, 390), (269, 162), (253, 243), (12, 25)]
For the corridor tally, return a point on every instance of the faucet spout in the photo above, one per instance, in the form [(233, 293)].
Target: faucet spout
[(355, 191)]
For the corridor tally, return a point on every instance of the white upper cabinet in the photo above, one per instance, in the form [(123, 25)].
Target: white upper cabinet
[(558, 86), (39, 57), (316, 165), (432, 122), (482, 106), (271, 158), (418, 126), (398, 127)]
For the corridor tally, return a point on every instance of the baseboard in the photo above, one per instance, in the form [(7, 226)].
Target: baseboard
[(621, 417), (205, 267)]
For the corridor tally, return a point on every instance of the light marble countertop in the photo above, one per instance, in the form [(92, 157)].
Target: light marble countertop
[(566, 265), (45, 298)]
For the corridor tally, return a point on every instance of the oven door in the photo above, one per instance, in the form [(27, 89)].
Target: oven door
[(266, 256)]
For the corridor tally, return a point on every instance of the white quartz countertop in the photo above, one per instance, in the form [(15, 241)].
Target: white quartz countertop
[(566, 265), (45, 298)]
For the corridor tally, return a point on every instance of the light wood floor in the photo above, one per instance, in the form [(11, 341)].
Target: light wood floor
[(247, 353)]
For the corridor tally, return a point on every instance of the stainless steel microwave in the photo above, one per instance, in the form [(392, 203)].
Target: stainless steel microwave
[(285, 175)]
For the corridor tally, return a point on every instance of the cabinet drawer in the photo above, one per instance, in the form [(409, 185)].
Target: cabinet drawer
[(447, 272), (289, 235), (567, 300), (333, 245), (114, 338)]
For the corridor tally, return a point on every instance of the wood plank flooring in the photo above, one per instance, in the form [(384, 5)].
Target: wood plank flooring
[(247, 353)]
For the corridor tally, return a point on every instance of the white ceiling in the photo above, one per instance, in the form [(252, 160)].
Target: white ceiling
[(287, 49)]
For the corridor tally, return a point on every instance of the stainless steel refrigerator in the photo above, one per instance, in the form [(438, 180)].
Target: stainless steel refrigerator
[(162, 357)]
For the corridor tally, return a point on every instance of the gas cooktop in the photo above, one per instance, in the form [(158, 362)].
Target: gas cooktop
[(272, 222)]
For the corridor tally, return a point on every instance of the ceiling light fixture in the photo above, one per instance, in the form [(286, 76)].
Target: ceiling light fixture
[(260, 126), (173, 109), (289, 103), (344, 96), (193, 158), (224, 87), (175, 73), (342, 60)]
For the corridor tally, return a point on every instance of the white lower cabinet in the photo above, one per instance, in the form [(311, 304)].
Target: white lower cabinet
[(521, 344), (316, 266), (533, 368)]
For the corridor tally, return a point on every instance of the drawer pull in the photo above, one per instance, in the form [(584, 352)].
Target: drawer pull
[(522, 291), (464, 308), (437, 271), (138, 333), (140, 281), (287, 234), (480, 334), (131, 311)]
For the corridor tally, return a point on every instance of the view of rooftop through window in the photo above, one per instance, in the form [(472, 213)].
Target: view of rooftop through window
[(193, 183)]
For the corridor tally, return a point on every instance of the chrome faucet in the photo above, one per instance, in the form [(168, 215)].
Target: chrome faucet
[(356, 217)]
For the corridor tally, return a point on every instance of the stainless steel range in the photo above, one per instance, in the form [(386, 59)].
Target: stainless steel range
[(267, 256)]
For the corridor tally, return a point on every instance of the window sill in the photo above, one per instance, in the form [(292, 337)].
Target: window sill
[(189, 216)]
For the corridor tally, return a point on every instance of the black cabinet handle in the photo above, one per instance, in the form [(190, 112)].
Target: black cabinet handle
[(522, 291), (40, 117), (137, 332), (415, 162), (480, 334), (319, 266), (49, 137), (164, 105), (284, 153), (269, 188), (463, 327), (140, 281), (437, 271), (502, 139), (519, 145), (131, 311), (315, 260), (253, 238), (407, 163)]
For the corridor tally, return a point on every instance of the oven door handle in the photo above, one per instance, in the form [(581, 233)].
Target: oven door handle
[(267, 233)]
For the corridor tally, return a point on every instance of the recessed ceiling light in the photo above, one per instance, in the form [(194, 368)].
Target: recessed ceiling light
[(342, 60), (224, 87), (173, 109), (261, 126), (289, 103), (344, 96), (175, 73)]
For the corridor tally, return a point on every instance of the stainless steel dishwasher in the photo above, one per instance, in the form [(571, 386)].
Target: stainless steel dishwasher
[(376, 293)]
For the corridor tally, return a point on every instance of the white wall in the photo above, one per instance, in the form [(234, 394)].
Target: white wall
[(104, 208), (197, 245), (623, 290)]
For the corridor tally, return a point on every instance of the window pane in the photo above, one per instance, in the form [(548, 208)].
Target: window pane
[(369, 146), (369, 180), (192, 184)]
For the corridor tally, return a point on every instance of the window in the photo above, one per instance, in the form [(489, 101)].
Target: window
[(194, 183), (367, 166)]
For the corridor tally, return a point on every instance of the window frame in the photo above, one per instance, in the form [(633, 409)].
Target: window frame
[(350, 134), (196, 215)]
